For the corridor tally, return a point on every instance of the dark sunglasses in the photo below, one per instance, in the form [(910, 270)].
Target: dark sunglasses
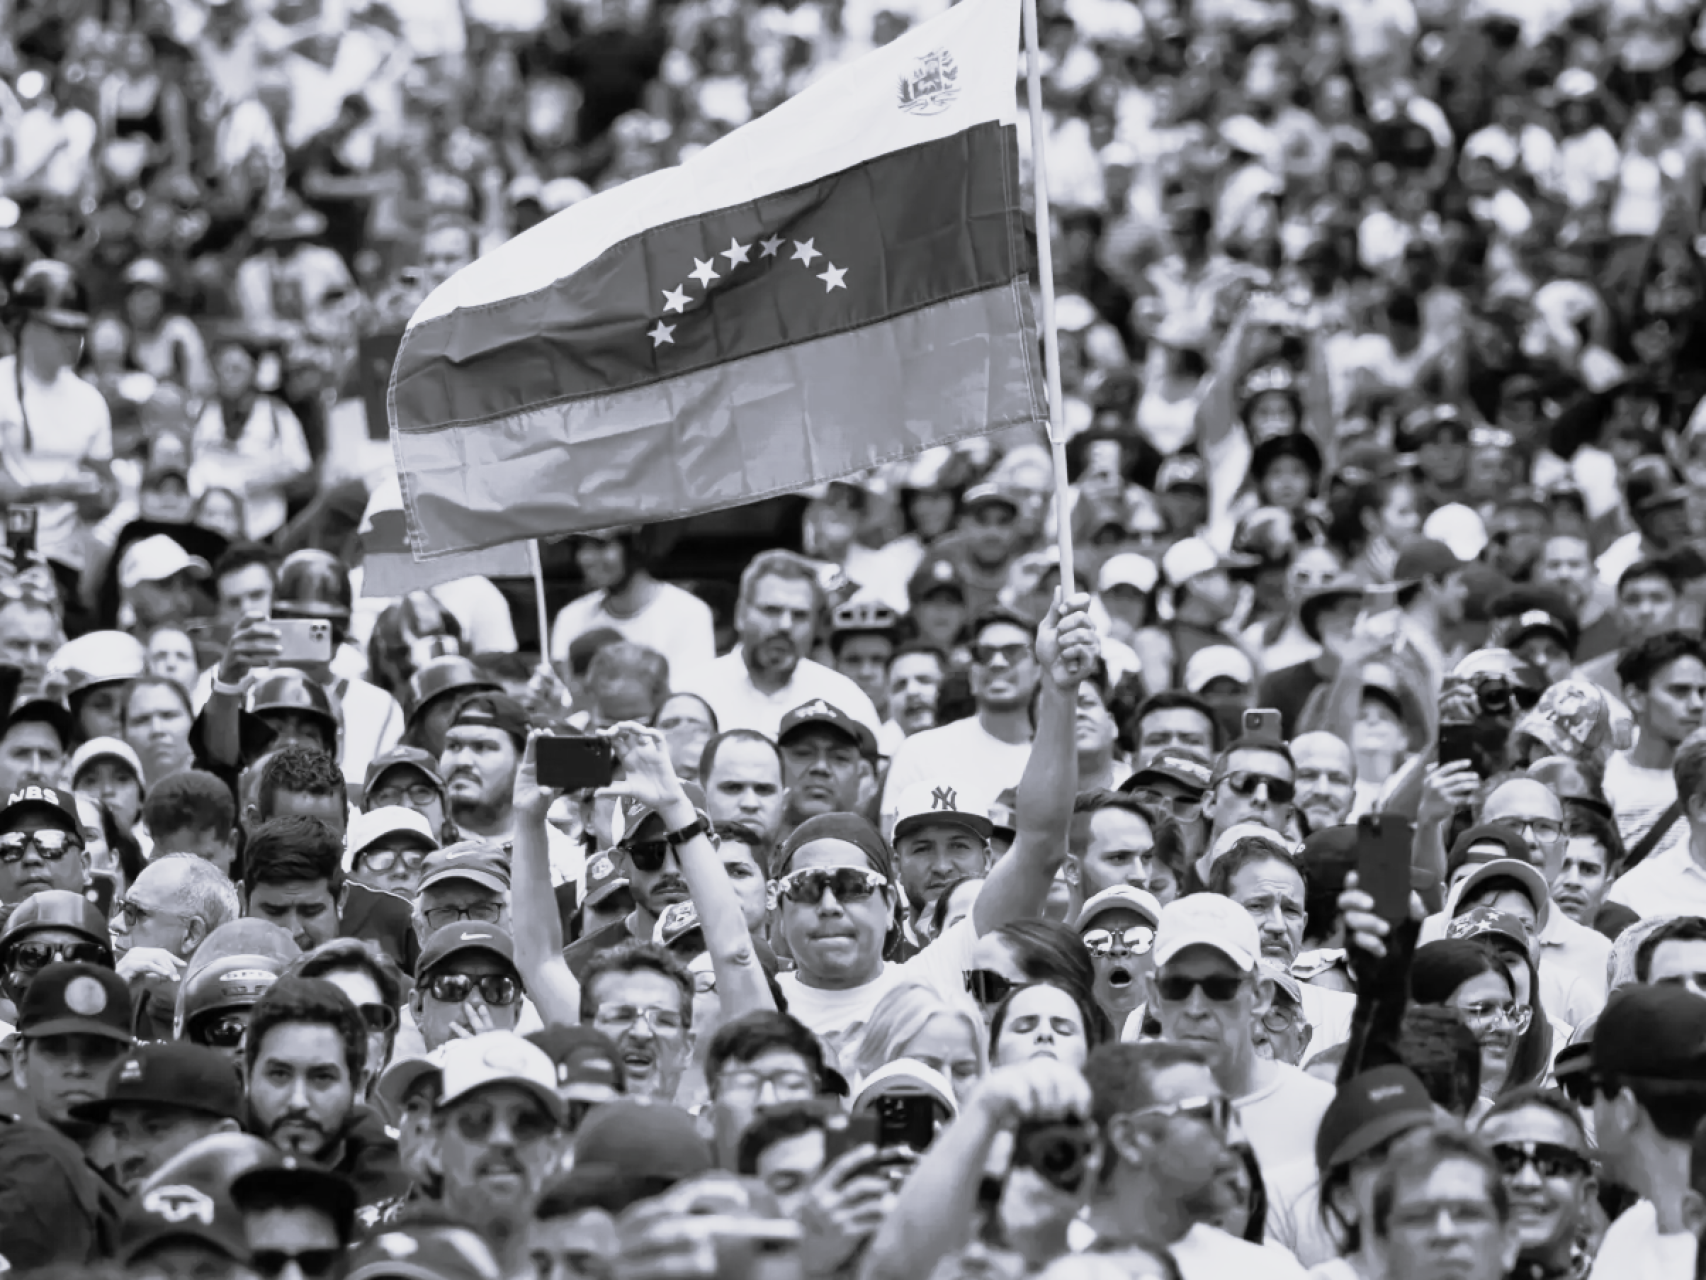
[(31, 957), (454, 988), (647, 855), (528, 1126), (1244, 784), (1011, 654), (1497, 695), (225, 1032), (314, 1262), (848, 884), (1548, 1158), (1581, 1086), (1175, 988), (988, 987), (51, 844), (378, 1017)]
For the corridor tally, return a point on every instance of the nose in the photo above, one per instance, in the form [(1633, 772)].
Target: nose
[(830, 905), (1526, 1176), (299, 1094), (1196, 1002), (291, 1270)]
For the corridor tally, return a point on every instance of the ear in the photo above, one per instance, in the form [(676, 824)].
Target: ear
[(1208, 806), (226, 1126), (1508, 1250), (251, 817), (195, 929), (430, 1156), (1127, 1143), (416, 1005), (1636, 700), (1071, 870), (342, 897), (1693, 1208), (20, 1064)]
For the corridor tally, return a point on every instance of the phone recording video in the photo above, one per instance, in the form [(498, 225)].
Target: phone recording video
[(575, 762)]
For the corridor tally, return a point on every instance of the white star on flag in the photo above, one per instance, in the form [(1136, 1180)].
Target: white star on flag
[(736, 252), (805, 252), (705, 272), (769, 247), (675, 299), (661, 334), (832, 278)]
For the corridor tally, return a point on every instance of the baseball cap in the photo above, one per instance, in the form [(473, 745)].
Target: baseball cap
[(414, 757), (493, 711), (170, 1073), (1120, 897), (423, 1251), (928, 804), (1281, 977), (182, 1211), (465, 935), (498, 1057), (1426, 558), (848, 827), (983, 494), (650, 1142), (1207, 920), (907, 1078), (1485, 922), (1187, 558), (1128, 569), (365, 829), (1346, 588), (104, 749), (1521, 870), (817, 711), (156, 558), (285, 1180), (46, 800), (1652, 1033), (399, 1079), (1247, 831), (936, 573), (1484, 844), (1369, 1109), (1218, 662), (1572, 719), (1182, 470), (35, 703), (603, 878), (589, 1068), (479, 861), (677, 921), (1183, 767), (631, 814), (1528, 610), (76, 999)]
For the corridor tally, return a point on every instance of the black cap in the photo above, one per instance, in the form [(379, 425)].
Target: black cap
[(937, 573), (171, 1073), (1651, 1033), (76, 999), (45, 800), (495, 711), (589, 1068), (1528, 610), (818, 711), (288, 1182), (182, 1210), (398, 757), (466, 935), (1368, 1110)]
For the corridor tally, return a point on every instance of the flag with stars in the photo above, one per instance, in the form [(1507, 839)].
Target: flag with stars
[(841, 283)]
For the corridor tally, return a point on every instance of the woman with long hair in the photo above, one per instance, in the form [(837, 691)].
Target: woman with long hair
[(914, 1022), (1024, 952), (1474, 980), (1043, 1020)]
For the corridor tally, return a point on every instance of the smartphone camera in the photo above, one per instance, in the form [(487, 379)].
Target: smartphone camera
[(1059, 1151)]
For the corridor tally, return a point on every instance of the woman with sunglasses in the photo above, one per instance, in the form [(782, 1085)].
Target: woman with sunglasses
[(1022, 952), (1474, 980)]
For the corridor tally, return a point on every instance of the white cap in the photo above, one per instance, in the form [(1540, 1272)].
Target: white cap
[(1218, 662), (154, 560), (1128, 569), (104, 749), (400, 1078), (907, 1077), (499, 1057), (365, 828), (1207, 920), (1247, 831), (1121, 895), (1187, 558), (1459, 527), (100, 657), (927, 804)]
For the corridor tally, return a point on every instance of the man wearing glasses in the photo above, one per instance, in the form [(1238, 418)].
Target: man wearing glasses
[(176, 902), (1440, 1208), (41, 845), (462, 883), (1173, 783), (408, 777), (1537, 1138), (468, 983), (52, 927), (1254, 780), (641, 996), (387, 848), (651, 865)]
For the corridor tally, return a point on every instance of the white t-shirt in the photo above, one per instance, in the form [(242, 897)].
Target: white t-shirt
[(726, 684), (962, 755), (676, 623), (1280, 1120), (1633, 1248), (1208, 1253), (1667, 884), (69, 424), (1329, 1013), (839, 1017), (1639, 798)]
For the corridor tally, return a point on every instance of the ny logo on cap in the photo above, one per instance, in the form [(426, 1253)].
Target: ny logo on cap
[(179, 1204), (36, 793), (945, 798)]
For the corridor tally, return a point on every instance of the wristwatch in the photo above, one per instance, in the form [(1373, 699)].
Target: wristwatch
[(698, 827)]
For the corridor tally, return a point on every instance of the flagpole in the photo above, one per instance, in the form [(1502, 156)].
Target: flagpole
[(1045, 269), (538, 566)]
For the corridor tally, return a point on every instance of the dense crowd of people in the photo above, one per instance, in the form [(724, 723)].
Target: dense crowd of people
[(1310, 878)]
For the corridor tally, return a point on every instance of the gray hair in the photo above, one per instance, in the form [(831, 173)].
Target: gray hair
[(206, 892)]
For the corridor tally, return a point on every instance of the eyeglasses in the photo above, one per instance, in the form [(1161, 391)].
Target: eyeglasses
[(1550, 1160), (1281, 1018), (1497, 695), (530, 1124), (788, 1086), (1214, 1112), (848, 884), (1011, 654), (1425, 1216), (454, 988), (50, 843), (30, 958), (1136, 939), (1490, 1013), (439, 917), (134, 913), (1175, 808), (988, 987), (1280, 791), (1542, 830), (225, 1032), (313, 1262), (417, 794), (381, 1018), (385, 859), (617, 1018), (647, 855), (1175, 988)]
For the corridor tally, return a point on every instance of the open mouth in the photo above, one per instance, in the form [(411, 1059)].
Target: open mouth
[(1119, 977)]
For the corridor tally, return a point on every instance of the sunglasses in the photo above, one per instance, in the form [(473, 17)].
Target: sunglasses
[(1214, 1112), (454, 988), (529, 1125), (848, 884), (1548, 1158), (29, 958), (1136, 939), (378, 1017), (1175, 988), (1176, 809), (226, 1032), (988, 987), (1497, 696), (385, 859), (1011, 654), (51, 844), (1243, 784), (313, 1262), (647, 855)]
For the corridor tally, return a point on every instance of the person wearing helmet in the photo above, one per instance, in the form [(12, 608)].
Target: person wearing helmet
[(627, 599), (96, 667), (862, 639), (50, 927), (298, 711), (434, 691), (214, 1003), (55, 428)]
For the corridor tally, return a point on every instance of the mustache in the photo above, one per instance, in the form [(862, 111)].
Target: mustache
[(301, 1118)]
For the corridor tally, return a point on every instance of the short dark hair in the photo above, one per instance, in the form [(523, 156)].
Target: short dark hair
[(1273, 746), (1122, 1076), (313, 1001), (299, 770), (753, 1035), (1418, 1153), (1641, 661), (353, 953), (708, 756), (779, 1123), (1534, 1096), (636, 957), (1679, 929), (152, 682), (190, 800), (241, 555), (750, 836), (1247, 851), (1649, 569), (292, 849), (1443, 1054), (915, 648), (1174, 700)]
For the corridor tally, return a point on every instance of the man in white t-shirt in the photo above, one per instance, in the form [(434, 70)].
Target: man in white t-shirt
[(984, 754), (838, 894), (626, 599), (768, 675), (1664, 683), (1646, 1045)]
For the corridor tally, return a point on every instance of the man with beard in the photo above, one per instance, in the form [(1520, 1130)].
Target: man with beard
[(641, 996), (913, 683), (1537, 1138), (175, 902), (1326, 778), (742, 774), (821, 753), (645, 857), (984, 754), (627, 599), (159, 1099), (41, 844), (305, 1055), (937, 844), (1117, 928), (768, 674)]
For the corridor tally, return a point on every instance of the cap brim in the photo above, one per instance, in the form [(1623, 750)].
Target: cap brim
[(852, 735), (399, 1079), (485, 879), (96, 1112), (39, 806), (550, 1097), (1359, 1142), (483, 946), (230, 1243), (74, 1027), (1154, 774), (1113, 904), (1163, 955), (978, 826)]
